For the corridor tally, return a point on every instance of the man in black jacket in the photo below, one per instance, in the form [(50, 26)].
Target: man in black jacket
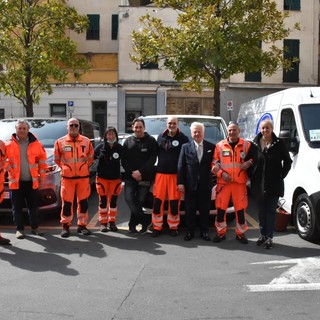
[(138, 159), (165, 186), (195, 180)]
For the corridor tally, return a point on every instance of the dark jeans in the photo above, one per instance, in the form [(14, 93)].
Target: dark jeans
[(25, 195), (267, 215), (135, 195), (197, 200)]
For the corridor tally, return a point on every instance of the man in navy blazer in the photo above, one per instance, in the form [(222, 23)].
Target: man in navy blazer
[(195, 180)]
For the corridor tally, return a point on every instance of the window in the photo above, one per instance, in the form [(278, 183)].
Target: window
[(256, 75), (288, 122), (139, 105), (2, 114), (291, 5), (149, 65), (114, 27), (253, 76), (93, 32), (292, 48), (58, 110)]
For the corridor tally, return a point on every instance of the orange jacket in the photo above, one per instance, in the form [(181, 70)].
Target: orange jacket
[(230, 160), (74, 156), (37, 159), (2, 160)]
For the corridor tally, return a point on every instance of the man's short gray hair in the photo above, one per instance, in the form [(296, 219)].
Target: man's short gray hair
[(22, 121), (196, 124)]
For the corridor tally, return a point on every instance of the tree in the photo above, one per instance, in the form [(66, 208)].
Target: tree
[(213, 40), (34, 48)]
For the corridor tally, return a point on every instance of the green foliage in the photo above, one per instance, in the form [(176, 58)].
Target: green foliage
[(213, 40), (35, 49)]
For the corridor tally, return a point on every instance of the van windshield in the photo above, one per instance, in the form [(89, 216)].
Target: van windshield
[(47, 131), (310, 115), (214, 129)]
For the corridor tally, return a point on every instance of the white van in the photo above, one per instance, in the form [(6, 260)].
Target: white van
[(295, 113)]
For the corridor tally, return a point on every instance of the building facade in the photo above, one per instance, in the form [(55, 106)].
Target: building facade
[(116, 90)]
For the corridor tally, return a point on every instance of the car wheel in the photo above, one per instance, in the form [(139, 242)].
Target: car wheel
[(305, 218)]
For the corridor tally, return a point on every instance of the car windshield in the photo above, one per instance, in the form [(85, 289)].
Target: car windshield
[(214, 130), (310, 115), (47, 131)]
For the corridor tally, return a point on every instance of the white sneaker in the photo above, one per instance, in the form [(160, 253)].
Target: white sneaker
[(20, 234)]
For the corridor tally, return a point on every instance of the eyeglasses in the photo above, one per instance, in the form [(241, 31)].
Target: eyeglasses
[(75, 125)]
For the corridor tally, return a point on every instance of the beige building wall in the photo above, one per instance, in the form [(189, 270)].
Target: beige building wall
[(308, 18)]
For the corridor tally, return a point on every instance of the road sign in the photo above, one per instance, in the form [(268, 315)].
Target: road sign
[(70, 104), (229, 105)]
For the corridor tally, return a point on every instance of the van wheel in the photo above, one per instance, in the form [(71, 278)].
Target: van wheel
[(305, 218)]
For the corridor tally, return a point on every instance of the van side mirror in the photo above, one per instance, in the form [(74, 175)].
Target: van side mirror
[(291, 143)]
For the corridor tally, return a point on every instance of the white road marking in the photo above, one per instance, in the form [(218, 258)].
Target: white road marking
[(303, 275)]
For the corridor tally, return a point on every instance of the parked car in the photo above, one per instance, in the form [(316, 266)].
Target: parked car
[(48, 130), (215, 130)]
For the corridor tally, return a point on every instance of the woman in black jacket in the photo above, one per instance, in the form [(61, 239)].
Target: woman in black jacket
[(276, 167), (108, 181)]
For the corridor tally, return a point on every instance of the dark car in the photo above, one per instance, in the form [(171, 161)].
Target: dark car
[(48, 130)]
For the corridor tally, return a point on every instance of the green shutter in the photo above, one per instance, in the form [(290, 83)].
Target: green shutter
[(93, 33), (291, 5), (292, 48), (114, 29)]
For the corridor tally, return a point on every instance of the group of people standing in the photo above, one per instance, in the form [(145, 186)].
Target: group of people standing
[(183, 169)]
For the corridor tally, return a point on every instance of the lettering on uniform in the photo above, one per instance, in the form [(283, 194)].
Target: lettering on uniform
[(116, 155), (67, 148), (144, 150), (225, 153), (175, 143)]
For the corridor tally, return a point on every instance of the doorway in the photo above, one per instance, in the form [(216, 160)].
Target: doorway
[(100, 114)]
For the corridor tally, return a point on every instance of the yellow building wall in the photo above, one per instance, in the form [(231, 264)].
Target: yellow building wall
[(104, 69)]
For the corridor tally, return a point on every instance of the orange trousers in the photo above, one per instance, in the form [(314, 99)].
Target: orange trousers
[(108, 191), (238, 193), (69, 188), (165, 187)]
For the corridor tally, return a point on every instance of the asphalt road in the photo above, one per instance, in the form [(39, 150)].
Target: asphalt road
[(117, 276)]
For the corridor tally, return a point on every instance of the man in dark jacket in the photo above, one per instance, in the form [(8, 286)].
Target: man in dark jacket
[(195, 180), (138, 159), (165, 186)]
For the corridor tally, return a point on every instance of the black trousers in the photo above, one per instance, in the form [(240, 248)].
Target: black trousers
[(135, 195), (197, 200), (25, 196)]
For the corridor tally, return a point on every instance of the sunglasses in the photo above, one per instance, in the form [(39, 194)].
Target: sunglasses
[(74, 125)]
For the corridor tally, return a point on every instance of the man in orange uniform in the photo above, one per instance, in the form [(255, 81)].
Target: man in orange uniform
[(3, 241), (169, 146), (26, 165), (73, 153), (232, 157)]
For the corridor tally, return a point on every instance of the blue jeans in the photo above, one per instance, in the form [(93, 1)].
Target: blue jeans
[(24, 196), (267, 215), (135, 195)]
